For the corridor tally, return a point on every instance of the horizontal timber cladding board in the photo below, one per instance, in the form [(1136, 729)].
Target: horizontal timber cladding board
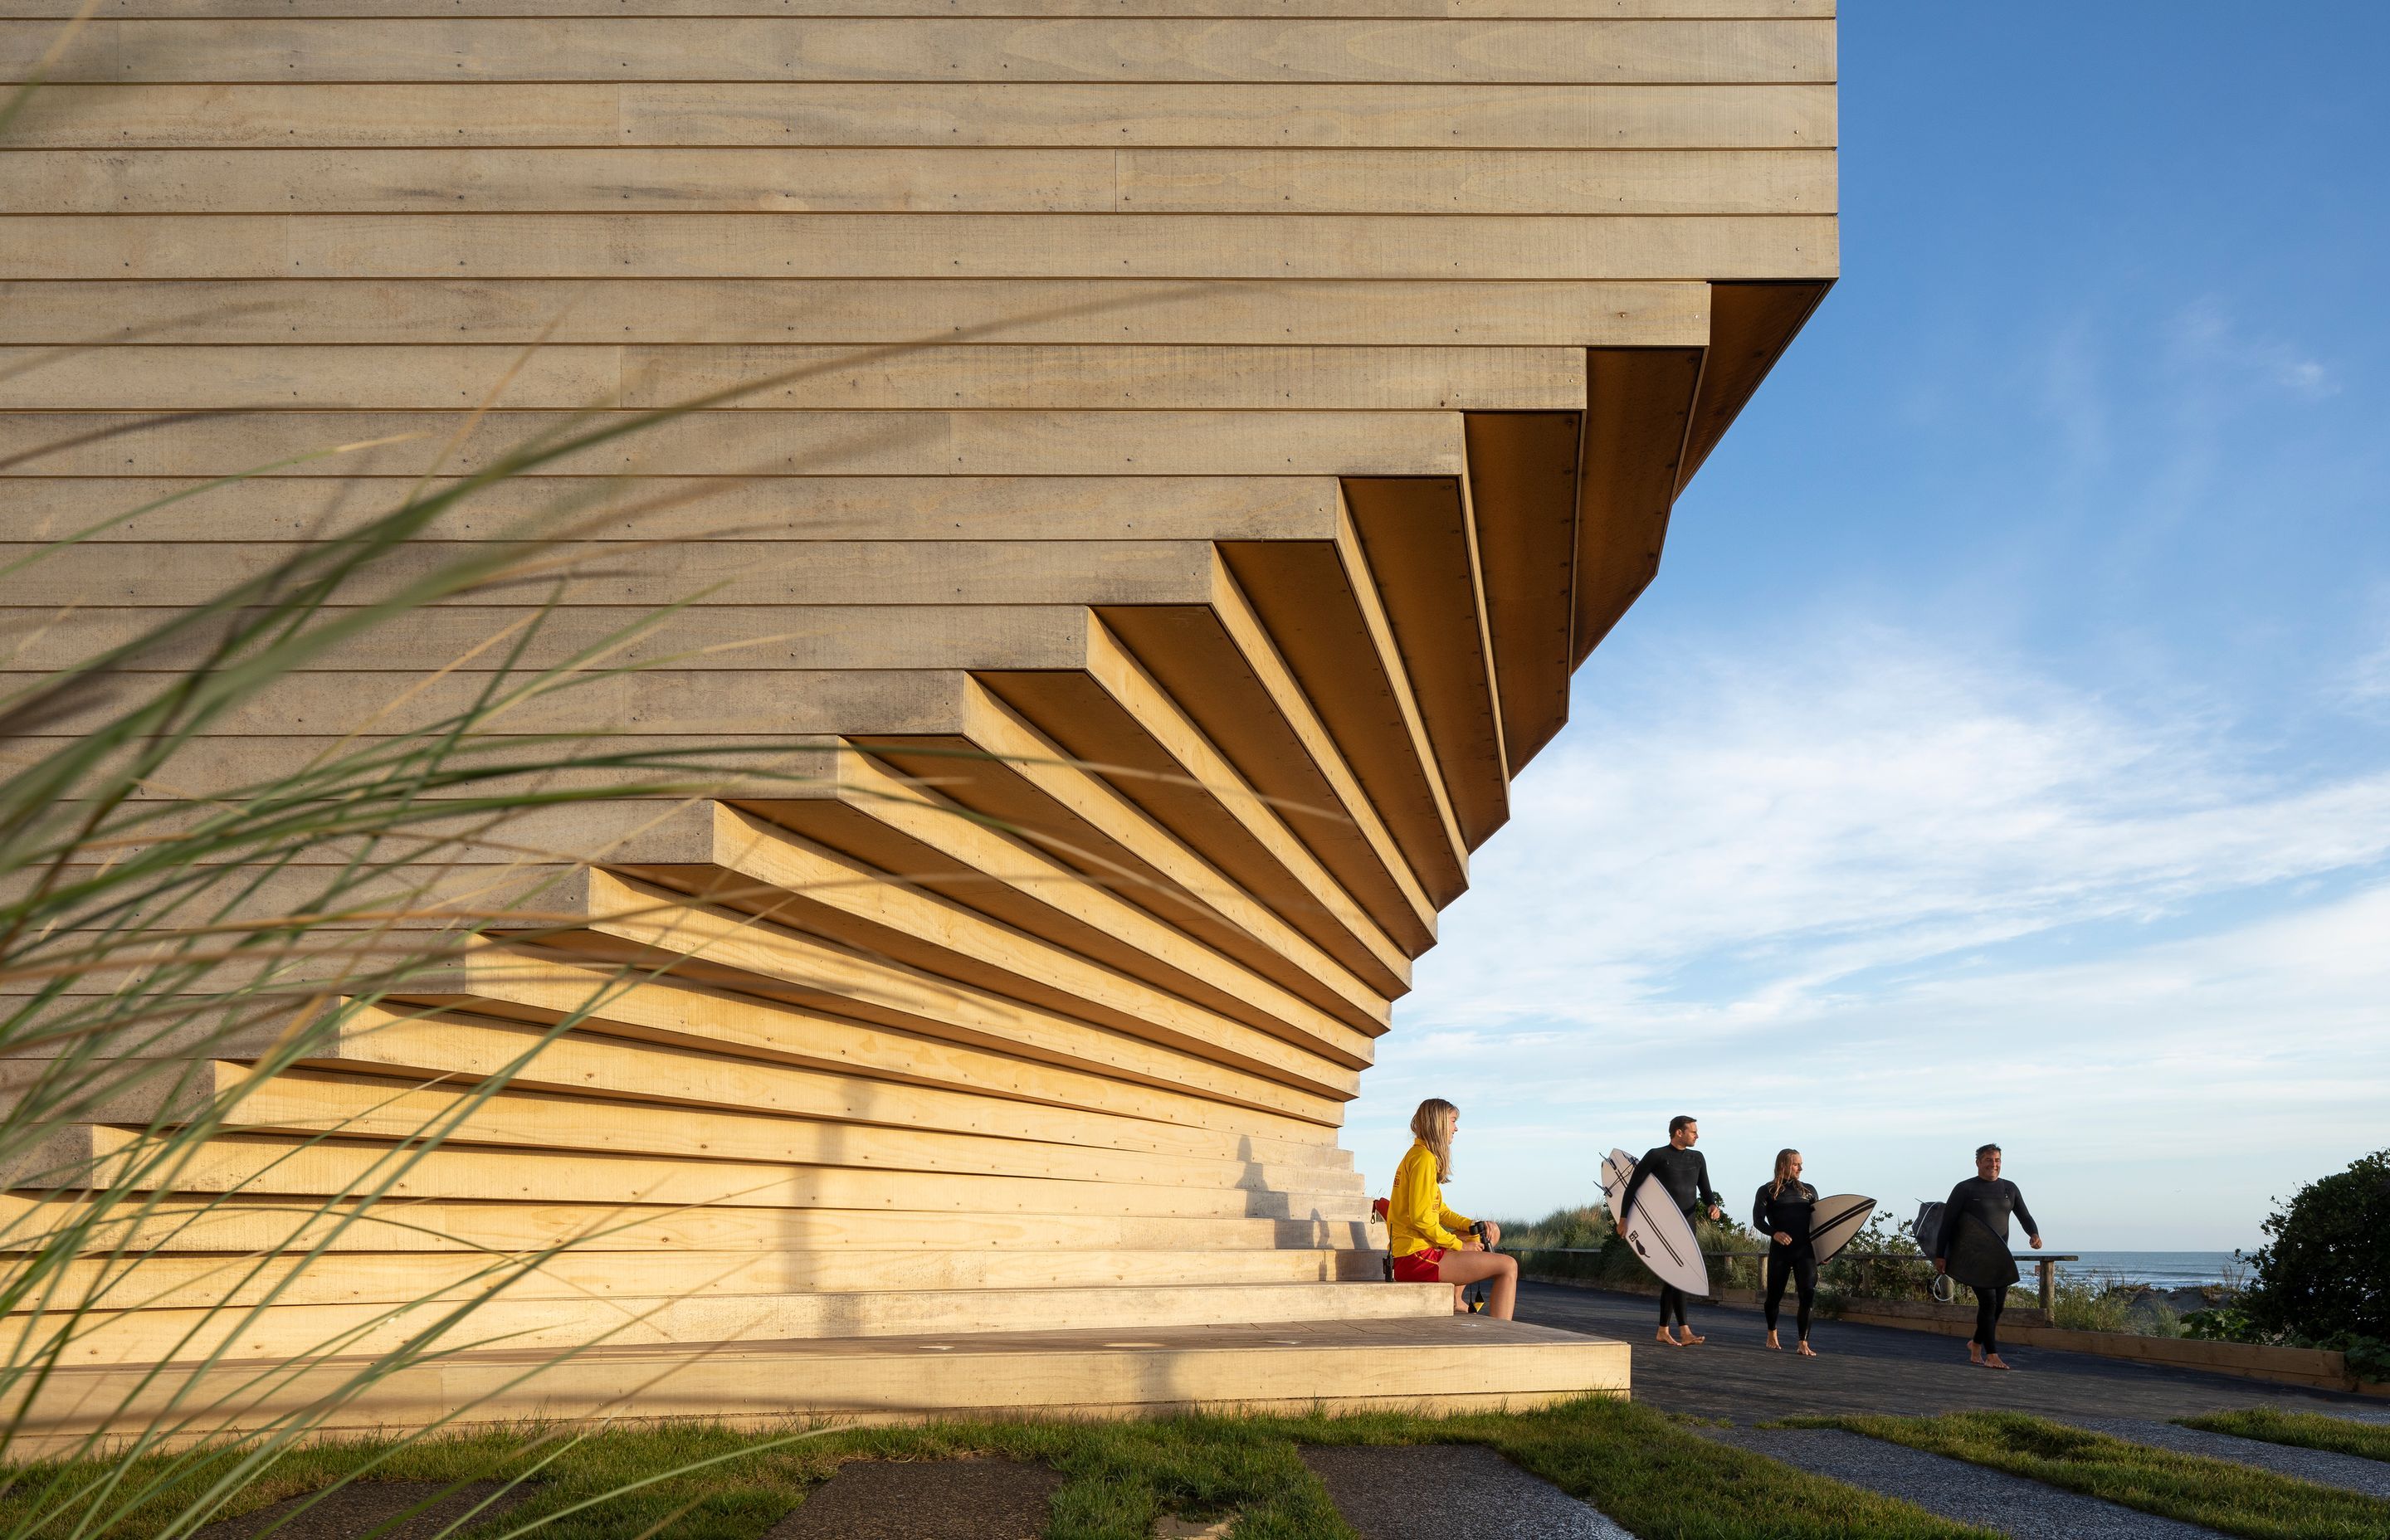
[(729, 572), (1317, 1053), (900, 825), (663, 702), (168, 1280), (903, 377), (933, 49), (760, 867), (184, 9), (1289, 1368), (739, 443), (290, 1331), (264, 1224), (800, 178), (258, 1164), (835, 980), (723, 508), (689, 1016), (734, 638), (449, 1043), (921, 246), (319, 1103), (826, 312), (1212, 115)]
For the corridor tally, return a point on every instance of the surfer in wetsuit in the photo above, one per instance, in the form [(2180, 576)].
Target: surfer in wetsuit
[(1681, 1170), (1784, 1211), (1990, 1200)]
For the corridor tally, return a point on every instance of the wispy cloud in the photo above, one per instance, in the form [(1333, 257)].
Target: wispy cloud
[(2205, 335), (1883, 880), (1730, 842)]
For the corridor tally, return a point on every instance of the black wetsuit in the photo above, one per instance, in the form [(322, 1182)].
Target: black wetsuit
[(1991, 1201), (1685, 1176), (1790, 1211)]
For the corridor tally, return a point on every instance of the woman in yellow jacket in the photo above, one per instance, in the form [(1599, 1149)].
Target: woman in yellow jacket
[(1429, 1242)]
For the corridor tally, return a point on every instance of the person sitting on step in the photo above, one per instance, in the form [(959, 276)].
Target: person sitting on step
[(1428, 1241)]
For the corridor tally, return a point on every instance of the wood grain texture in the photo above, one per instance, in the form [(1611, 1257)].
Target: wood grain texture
[(1388, 313), (934, 48), (1226, 114), (990, 377), (810, 179), (921, 246), (268, 9)]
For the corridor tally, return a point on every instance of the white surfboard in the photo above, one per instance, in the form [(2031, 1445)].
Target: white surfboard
[(1835, 1221), (1658, 1230)]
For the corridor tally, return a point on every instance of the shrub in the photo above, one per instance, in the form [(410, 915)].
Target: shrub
[(2321, 1273)]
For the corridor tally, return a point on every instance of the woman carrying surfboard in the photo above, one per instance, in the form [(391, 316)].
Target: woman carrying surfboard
[(1784, 1211), (1429, 1242), (1972, 1247), (1683, 1171)]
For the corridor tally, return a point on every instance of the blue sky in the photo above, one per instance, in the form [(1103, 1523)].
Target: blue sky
[(2004, 752)]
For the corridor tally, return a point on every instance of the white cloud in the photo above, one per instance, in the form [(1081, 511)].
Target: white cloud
[(1895, 886)]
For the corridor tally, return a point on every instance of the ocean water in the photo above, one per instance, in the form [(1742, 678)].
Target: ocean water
[(2158, 1269)]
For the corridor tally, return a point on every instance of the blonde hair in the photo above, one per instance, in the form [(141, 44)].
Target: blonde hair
[(1784, 1159), (1432, 1125)]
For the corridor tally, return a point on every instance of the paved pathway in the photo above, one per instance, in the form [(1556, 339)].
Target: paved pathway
[(1431, 1491), (1954, 1489), (1882, 1370), (925, 1500), (2354, 1472)]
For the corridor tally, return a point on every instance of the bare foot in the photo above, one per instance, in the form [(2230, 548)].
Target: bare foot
[(1806, 1352), (1975, 1354), (1690, 1338), (1992, 1361), (1665, 1338), (1773, 1343)]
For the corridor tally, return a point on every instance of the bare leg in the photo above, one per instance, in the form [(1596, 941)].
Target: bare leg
[(1498, 1270)]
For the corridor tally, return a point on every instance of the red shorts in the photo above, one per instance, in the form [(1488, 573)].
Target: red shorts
[(1421, 1267)]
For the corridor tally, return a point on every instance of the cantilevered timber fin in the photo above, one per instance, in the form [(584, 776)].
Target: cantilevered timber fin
[(1640, 403)]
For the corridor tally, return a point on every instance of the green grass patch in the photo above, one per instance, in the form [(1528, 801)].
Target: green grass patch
[(2306, 1429), (1647, 1471), (2197, 1490)]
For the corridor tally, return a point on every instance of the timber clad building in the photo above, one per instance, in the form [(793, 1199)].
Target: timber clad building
[(1294, 392)]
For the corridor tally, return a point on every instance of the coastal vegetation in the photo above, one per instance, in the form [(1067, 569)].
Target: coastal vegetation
[(2219, 1494), (2319, 1281)]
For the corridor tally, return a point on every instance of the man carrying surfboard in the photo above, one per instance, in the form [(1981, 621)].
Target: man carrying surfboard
[(1685, 1175), (1972, 1248)]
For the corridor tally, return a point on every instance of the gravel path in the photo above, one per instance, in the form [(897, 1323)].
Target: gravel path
[(2354, 1472), (1473, 1492), (1955, 1489)]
